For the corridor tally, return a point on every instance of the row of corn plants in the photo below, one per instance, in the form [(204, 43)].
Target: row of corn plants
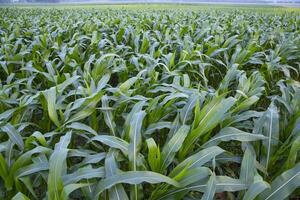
[(149, 104)]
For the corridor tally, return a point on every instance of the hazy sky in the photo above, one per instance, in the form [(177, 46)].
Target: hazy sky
[(181, 1)]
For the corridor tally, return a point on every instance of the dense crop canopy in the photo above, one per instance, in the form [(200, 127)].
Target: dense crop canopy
[(149, 104)]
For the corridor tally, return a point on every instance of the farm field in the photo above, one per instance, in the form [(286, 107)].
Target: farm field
[(149, 102)]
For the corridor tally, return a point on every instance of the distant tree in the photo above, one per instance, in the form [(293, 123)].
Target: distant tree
[(5, 1), (43, 1)]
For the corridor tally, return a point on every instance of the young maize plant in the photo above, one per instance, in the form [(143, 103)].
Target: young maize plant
[(149, 104)]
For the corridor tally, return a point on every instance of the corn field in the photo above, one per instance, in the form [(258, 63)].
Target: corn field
[(149, 104)]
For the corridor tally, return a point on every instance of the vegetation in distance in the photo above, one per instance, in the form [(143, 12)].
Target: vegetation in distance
[(149, 103)]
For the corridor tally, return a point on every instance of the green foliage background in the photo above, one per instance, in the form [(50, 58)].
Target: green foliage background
[(158, 103)]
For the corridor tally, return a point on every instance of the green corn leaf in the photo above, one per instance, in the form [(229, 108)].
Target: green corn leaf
[(61, 87), (4, 170), (39, 137), (210, 188), (120, 35), (108, 116), (111, 168), (185, 114), (20, 196), (170, 149), (57, 167), (50, 96), (135, 144), (292, 157), (83, 173), (6, 115), (223, 183), (26, 180), (124, 87), (82, 127), (145, 44), (197, 160), (23, 160), (113, 142), (283, 185), (33, 168), (193, 175), (87, 107), (136, 108), (154, 157), (209, 117), (67, 190), (268, 124), (133, 177), (92, 159), (135, 137), (14, 135), (157, 126), (103, 82), (257, 187), (248, 168), (242, 117), (230, 133)]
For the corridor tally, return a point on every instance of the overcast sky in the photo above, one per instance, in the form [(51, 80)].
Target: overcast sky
[(150, 1)]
